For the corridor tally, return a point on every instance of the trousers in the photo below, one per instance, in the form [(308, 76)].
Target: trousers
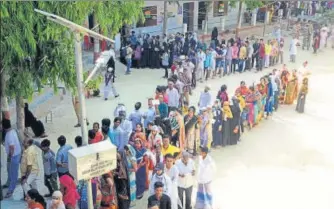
[(33, 181), (13, 173), (187, 193)]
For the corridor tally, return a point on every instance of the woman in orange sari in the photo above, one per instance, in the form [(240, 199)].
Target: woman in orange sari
[(291, 91), (139, 134), (35, 200)]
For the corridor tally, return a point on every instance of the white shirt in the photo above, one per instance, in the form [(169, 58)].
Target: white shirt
[(206, 170), (173, 97), (205, 100), (11, 138), (186, 170)]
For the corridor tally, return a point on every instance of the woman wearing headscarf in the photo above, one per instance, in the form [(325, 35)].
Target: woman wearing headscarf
[(228, 116), (217, 131), (122, 181), (302, 96), (154, 138), (108, 191), (31, 121), (35, 200), (69, 191), (316, 42), (56, 202), (161, 176), (139, 134), (235, 121), (131, 169), (203, 124), (222, 94), (191, 130), (142, 171)]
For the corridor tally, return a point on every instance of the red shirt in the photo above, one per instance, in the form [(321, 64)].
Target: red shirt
[(98, 138), (262, 51)]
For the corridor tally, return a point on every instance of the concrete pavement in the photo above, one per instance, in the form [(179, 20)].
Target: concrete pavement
[(285, 162)]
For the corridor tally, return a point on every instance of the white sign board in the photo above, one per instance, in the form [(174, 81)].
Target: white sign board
[(92, 160)]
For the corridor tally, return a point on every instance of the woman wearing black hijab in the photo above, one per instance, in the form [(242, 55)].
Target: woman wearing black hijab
[(235, 122), (31, 121), (214, 34)]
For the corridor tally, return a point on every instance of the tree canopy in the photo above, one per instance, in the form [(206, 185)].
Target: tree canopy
[(37, 52)]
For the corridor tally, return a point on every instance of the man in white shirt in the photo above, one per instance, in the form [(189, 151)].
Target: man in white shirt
[(205, 98), (186, 168), (173, 96), (206, 173), (173, 173), (13, 149), (200, 65)]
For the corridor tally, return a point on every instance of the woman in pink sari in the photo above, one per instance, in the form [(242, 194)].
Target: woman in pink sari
[(69, 191)]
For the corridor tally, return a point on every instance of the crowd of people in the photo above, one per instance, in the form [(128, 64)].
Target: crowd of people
[(157, 146)]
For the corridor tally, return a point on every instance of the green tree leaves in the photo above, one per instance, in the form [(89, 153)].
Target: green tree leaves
[(37, 52)]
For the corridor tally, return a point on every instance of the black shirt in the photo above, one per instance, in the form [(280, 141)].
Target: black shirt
[(163, 203)]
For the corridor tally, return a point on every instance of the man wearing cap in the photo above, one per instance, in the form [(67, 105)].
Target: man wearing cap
[(206, 172), (159, 200), (161, 176), (205, 99)]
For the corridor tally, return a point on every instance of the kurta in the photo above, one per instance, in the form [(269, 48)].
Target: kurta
[(204, 135), (173, 174)]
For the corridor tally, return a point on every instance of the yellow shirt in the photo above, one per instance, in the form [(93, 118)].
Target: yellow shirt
[(242, 52), (267, 49), (242, 102), (170, 150), (29, 158)]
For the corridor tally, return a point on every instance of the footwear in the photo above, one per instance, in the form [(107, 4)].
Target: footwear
[(117, 96), (8, 195), (105, 99), (78, 125)]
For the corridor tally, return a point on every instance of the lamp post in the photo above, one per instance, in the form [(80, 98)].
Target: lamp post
[(78, 30)]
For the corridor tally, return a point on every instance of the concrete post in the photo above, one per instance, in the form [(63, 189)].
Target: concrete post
[(185, 27), (222, 23), (254, 16), (267, 17), (205, 26)]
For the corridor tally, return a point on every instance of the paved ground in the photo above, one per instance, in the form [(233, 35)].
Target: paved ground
[(285, 162)]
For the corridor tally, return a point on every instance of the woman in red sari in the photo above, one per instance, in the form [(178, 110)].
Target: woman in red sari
[(250, 99), (242, 89)]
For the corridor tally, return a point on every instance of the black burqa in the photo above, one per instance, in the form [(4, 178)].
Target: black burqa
[(235, 122)]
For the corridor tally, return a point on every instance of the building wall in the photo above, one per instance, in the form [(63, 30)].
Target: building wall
[(175, 20)]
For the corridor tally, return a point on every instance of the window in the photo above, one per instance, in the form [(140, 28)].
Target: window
[(150, 15), (218, 8)]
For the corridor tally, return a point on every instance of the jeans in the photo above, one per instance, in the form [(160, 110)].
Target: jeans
[(13, 172), (50, 182), (241, 67), (128, 65), (276, 93), (188, 192), (260, 63)]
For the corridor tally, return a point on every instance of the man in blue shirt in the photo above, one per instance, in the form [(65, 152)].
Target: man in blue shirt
[(62, 156), (117, 135), (149, 115)]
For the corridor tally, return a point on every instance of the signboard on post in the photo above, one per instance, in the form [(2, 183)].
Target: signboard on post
[(92, 160)]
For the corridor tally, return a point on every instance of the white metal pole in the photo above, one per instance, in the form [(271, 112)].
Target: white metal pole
[(81, 95)]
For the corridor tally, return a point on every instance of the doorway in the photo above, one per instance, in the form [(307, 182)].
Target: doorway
[(188, 15), (201, 13)]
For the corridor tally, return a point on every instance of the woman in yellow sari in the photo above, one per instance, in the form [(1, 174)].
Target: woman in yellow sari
[(291, 89)]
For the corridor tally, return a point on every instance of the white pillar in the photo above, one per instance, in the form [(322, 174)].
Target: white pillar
[(222, 23), (196, 16), (254, 16), (267, 16), (184, 30), (205, 26)]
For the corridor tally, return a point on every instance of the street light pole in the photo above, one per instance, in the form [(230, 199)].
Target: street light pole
[(81, 96)]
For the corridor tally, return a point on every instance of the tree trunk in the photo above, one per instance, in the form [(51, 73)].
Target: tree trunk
[(20, 117), (207, 9), (4, 108), (239, 20), (165, 17), (225, 8), (96, 41)]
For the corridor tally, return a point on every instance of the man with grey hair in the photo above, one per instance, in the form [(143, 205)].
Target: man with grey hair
[(186, 168)]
